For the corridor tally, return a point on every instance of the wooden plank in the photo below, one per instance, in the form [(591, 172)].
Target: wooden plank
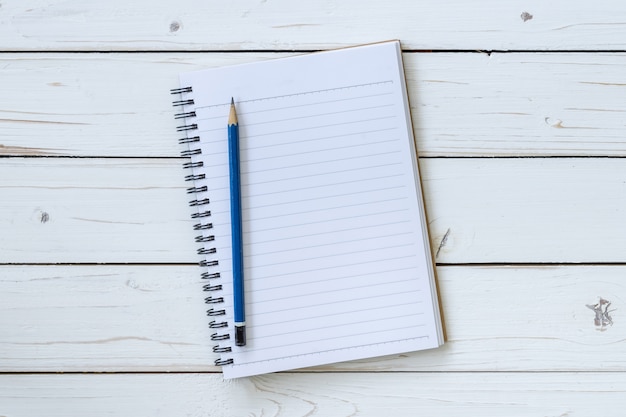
[(253, 25), (490, 210), (518, 104), (526, 210), (94, 105), (463, 104), (103, 318), (404, 394), (94, 211), (151, 318)]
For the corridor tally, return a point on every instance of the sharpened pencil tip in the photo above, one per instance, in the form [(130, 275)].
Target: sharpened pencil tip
[(232, 116)]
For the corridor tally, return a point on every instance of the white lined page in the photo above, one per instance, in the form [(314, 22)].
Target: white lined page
[(336, 260)]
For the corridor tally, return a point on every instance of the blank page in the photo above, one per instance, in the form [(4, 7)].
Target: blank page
[(336, 255)]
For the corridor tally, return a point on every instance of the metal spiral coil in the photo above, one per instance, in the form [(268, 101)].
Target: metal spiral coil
[(213, 313), (191, 152), (210, 275), (178, 103), (195, 177), (213, 300), (192, 139), (188, 165), (217, 324), (209, 287), (220, 362), (185, 115), (193, 190), (204, 251), (201, 200), (203, 226), (181, 90), (200, 239), (201, 214), (185, 128)]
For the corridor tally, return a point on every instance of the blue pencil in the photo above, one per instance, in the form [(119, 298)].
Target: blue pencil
[(235, 222)]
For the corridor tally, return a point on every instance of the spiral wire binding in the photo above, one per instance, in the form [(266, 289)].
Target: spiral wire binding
[(203, 214)]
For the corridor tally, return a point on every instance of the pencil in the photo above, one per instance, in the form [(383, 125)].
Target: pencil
[(235, 224)]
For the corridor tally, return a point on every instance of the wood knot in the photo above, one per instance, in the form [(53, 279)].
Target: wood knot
[(603, 318), (44, 217), (526, 16), (174, 26)]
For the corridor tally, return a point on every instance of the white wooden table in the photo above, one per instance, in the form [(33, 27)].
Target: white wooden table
[(520, 117)]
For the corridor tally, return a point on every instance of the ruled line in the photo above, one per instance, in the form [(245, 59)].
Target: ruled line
[(369, 297), (244, 363), (334, 184), (327, 208), (340, 242), (273, 323), (290, 141), (319, 269), (265, 110), (326, 161), (342, 135), (307, 128), (271, 109), (325, 197), (317, 351), (297, 213), (316, 115), (303, 93), (332, 278), (335, 291), (342, 336), (341, 171), (326, 149), (257, 242), (301, 330), (327, 220), (334, 255)]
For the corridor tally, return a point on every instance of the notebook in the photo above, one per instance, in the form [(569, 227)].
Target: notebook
[(337, 258)]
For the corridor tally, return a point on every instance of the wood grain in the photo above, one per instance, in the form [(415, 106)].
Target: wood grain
[(336, 395), (463, 104), (94, 211), (281, 25), (519, 210), (151, 318), (91, 188)]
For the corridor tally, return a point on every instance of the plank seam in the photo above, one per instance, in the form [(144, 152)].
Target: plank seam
[(438, 264), (306, 51)]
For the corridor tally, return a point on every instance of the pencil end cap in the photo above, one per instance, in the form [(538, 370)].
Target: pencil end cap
[(240, 335)]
